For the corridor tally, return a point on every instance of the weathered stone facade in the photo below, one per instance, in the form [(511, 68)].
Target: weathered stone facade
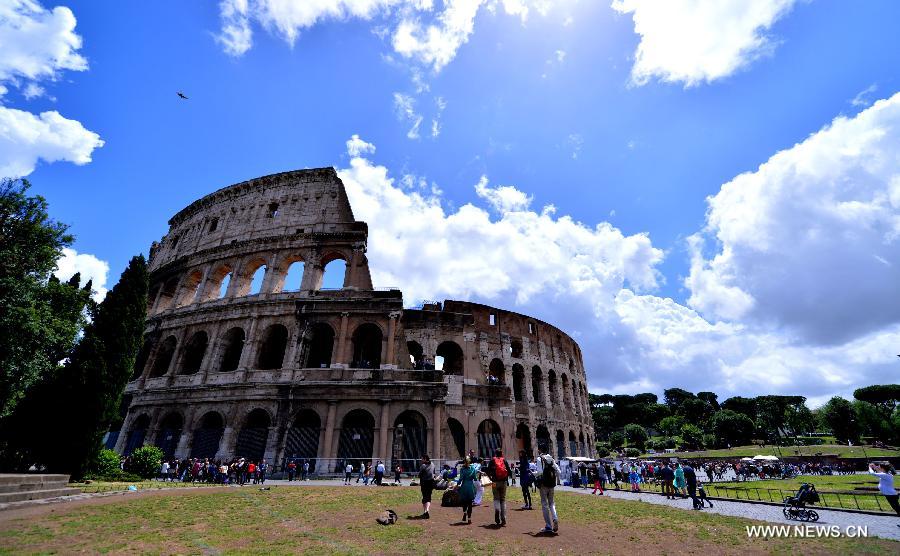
[(279, 367)]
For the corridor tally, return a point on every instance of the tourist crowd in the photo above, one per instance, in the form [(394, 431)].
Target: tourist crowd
[(239, 471)]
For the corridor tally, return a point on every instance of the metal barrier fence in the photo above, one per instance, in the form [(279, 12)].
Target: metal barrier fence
[(840, 500)]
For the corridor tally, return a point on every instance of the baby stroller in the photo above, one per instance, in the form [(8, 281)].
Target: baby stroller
[(795, 506)]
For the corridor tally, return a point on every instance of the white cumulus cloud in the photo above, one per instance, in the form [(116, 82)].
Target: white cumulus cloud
[(90, 267), (696, 41), (26, 138)]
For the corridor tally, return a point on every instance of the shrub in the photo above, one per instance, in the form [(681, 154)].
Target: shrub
[(709, 440), (616, 440), (637, 436), (145, 461), (662, 443), (106, 463), (632, 452), (602, 451)]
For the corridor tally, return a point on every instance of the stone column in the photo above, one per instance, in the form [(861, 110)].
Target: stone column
[(327, 450), (342, 360), (184, 443), (437, 423), (234, 281), (249, 350), (389, 361), (383, 423), (212, 352), (176, 356)]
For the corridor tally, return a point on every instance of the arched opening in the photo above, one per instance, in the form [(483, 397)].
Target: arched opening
[(271, 352), (321, 346), (293, 278), (564, 390), (367, 347), (489, 438), (523, 439), (164, 357), (334, 274), (571, 365), (208, 435), (143, 355), (581, 445), (551, 386), (537, 387), (193, 353), (518, 382), (256, 281), (303, 437), (496, 372), (515, 349), (151, 297), (190, 288), (167, 295), (357, 437), (410, 433), (233, 348), (251, 443), (450, 356), (573, 444), (136, 434), (560, 445), (458, 435), (543, 439), (217, 283), (169, 434), (416, 355)]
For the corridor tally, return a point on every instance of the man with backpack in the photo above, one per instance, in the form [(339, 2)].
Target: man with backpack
[(549, 476), (498, 470)]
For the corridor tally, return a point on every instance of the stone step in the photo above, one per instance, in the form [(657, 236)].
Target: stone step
[(37, 494), (33, 485), (16, 478)]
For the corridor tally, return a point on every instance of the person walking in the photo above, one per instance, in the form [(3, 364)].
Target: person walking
[(261, 471), (379, 472), (886, 484), (348, 473), (668, 476), (305, 476), (679, 483), (292, 470), (397, 472), (549, 476), (599, 477), (466, 488), (479, 486), (690, 479), (498, 470), (525, 479), (701, 495), (426, 484)]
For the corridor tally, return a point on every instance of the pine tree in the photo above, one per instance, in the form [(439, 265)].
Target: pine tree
[(90, 386)]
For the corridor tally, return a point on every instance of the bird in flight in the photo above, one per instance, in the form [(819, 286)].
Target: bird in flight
[(180, 94)]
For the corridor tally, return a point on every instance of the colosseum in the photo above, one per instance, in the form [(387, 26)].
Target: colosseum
[(248, 354)]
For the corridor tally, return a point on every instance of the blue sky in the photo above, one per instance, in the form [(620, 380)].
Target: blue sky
[(616, 114)]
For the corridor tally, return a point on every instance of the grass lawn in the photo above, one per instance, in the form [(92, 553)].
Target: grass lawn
[(322, 520), (839, 450), (834, 490), (107, 486)]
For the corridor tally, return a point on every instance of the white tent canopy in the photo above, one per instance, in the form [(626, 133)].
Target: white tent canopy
[(765, 458)]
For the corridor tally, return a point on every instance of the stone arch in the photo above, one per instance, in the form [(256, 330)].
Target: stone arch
[(410, 438), (367, 346), (518, 382), (490, 437), (458, 436), (303, 436), (164, 357), (137, 432), (581, 444), (496, 372), (573, 444), (232, 348), (272, 348), (416, 355), (452, 356), (542, 434), (167, 294), (247, 275), (143, 355), (515, 348), (537, 385), (251, 442), (151, 297), (207, 435), (357, 436), (169, 433), (560, 445), (194, 351), (190, 288), (523, 439), (334, 272), (217, 283), (551, 387), (564, 390), (292, 279), (320, 346)]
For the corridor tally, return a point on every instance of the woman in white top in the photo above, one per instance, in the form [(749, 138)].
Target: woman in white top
[(886, 485)]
